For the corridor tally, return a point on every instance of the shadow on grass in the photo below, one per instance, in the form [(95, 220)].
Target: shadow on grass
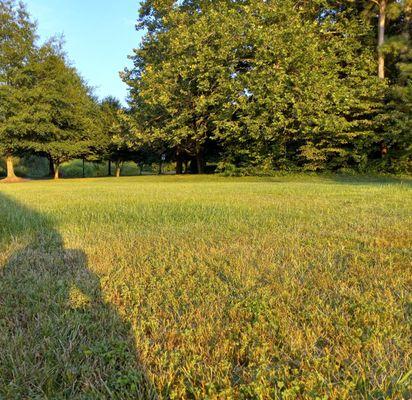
[(340, 178), (58, 337), (369, 179)]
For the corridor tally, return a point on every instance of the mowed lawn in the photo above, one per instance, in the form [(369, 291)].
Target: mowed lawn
[(293, 287)]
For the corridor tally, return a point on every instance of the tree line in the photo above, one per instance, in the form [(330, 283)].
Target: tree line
[(246, 85), (278, 84), (47, 109)]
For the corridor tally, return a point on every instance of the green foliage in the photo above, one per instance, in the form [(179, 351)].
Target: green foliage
[(45, 107), (56, 112), (275, 85), (74, 169), (272, 83), (115, 128), (122, 141), (396, 121), (17, 47), (28, 166), (32, 167)]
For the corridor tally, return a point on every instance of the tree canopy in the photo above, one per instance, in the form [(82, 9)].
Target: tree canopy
[(280, 84), (17, 47), (46, 107), (249, 85)]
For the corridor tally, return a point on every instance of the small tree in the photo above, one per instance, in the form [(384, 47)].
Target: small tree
[(121, 144)]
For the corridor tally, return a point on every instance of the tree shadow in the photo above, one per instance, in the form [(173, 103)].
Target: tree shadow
[(58, 337), (371, 180)]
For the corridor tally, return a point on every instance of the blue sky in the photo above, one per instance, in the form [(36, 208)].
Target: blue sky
[(99, 35)]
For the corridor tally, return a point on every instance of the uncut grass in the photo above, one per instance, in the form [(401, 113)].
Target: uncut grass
[(183, 287)]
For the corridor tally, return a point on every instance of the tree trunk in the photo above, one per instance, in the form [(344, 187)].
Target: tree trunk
[(381, 38), (186, 166), (384, 149), (109, 170), (56, 171), (179, 166), (51, 167), (200, 164), (118, 169), (10, 168)]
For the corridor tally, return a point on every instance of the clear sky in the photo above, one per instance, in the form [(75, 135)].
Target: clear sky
[(99, 35)]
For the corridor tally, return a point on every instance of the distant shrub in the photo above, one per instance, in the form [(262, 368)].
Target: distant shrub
[(228, 169), (130, 169), (169, 167), (74, 169), (34, 166)]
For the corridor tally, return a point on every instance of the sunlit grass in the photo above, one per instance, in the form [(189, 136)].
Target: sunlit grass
[(206, 287)]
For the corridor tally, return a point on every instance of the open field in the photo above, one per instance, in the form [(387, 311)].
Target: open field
[(206, 287)]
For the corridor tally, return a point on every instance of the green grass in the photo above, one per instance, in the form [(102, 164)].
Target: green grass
[(296, 287)]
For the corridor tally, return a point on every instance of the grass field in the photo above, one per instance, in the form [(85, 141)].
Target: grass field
[(206, 288)]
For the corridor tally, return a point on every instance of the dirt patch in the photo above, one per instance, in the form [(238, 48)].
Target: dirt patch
[(14, 180)]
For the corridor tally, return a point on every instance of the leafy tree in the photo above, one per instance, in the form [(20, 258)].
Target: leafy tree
[(55, 112), (396, 121), (387, 10), (269, 84), (181, 76), (17, 46), (121, 144)]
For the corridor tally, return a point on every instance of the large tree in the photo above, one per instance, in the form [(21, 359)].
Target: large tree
[(55, 112), (17, 47), (181, 78), (273, 82), (396, 121)]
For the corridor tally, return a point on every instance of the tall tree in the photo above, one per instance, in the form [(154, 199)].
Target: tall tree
[(56, 114), (385, 9), (383, 12), (382, 7), (17, 46), (180, 80), (270, 83), (396, 120)]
